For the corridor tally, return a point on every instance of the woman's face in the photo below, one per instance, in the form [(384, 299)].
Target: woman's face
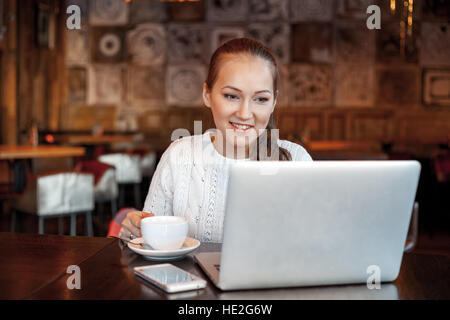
[(241, 100)]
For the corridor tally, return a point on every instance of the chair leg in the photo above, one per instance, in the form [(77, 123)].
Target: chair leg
[(121, 195), (113, 207), (89, 228), (13, 221), (137, 196), (60, 225), (100, 207), (41, 225), (73, 224)]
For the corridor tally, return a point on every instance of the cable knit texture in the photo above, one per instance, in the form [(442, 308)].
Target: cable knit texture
[(191, 181)]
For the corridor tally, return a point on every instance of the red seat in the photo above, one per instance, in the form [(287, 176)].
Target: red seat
[(105, 184), (95, 167), (115, 224), (441, 164)]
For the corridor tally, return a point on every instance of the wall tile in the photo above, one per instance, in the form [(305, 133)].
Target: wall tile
[(184, 84), (354, 43), (106, 84), (147, 44), (312, 42), (148, 11), (435, 49), (77, 47), (389, 48), (274, 36), (77, 85), (436, 87), (398, 87), (312, 10), (311, 85), (226, 11), (354, 85), (185, 11), (268, 10), (146, 86), (187, 42), (107, 44), (108, 13)]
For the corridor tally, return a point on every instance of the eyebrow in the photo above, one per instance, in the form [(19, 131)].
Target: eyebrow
[(260, 91)]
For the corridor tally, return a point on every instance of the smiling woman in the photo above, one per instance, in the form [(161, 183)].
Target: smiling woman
[(192, 177), (241, 89)]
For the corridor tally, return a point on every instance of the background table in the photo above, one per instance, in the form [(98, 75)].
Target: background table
[(43, 151), (34, 267), (94, 144), (16, 154), (345, 150), (92, 139)]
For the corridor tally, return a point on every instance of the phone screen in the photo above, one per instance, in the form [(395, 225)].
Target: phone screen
[(167, 275)]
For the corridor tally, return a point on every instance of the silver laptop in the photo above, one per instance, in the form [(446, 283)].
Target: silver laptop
[(291, 224)]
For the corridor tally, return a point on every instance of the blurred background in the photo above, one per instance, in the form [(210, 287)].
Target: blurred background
[(107, 96)]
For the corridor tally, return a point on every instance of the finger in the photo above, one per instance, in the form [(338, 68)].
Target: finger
[(128, 225), (146, 215), (124, 233), (133, 231), (135, 218)]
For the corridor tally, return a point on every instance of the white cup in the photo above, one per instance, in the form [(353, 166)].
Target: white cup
[(164, 232)]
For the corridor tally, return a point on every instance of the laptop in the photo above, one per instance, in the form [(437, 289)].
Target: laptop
[(290, 224)]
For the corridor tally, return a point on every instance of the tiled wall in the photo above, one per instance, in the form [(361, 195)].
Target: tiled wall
[(140, 66)]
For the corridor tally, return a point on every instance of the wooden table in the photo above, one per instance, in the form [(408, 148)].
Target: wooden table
[(34, 267), (94, 144), (30, 262), (41, 151), (16, 154), (91, 139), (345, 150)]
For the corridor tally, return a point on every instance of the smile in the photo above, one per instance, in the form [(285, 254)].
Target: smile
[(240, 127)]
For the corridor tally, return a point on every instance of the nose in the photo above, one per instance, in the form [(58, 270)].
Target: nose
[(244, 111)]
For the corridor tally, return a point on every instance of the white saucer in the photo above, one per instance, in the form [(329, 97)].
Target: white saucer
[(138, 246)]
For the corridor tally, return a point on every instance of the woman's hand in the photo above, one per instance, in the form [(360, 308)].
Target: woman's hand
[(131, 225)]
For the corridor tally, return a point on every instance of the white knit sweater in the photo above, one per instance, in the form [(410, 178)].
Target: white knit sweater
[(191, 181)]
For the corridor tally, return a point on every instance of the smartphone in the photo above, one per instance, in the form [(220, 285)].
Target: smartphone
[(170, 278)]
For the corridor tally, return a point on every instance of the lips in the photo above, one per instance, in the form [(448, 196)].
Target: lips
[(240, 127)]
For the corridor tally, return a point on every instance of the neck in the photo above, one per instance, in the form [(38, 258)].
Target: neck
[(231, 151)]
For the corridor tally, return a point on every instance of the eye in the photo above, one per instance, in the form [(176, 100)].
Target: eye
[(230, 96), (260, 99)]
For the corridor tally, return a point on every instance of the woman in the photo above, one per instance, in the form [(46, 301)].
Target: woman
[(191, 178)]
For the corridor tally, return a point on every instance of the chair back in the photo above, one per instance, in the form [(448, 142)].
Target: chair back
[(147, 160), (62, 193), (442, 166), (127, 166), (148, 163), (107, 188)]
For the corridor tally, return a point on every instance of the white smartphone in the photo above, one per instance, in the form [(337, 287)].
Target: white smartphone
[(170, 278)]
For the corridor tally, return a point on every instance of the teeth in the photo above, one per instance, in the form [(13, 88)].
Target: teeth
[(242, 127)]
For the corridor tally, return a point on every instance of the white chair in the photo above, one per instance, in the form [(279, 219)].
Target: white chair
[(148, 164), (56, 196), (106, 188), (128, 171)]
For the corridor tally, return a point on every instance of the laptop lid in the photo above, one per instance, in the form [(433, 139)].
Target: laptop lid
[(315, 223)]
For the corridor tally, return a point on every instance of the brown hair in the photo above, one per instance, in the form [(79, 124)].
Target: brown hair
[(257, 49)]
